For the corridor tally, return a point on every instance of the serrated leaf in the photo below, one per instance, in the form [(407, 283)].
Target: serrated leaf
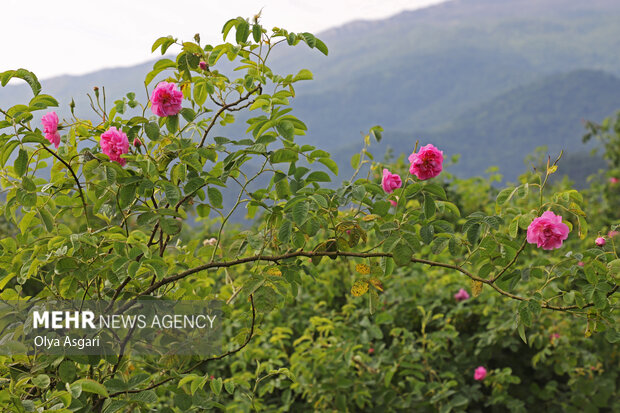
[(300, 212)]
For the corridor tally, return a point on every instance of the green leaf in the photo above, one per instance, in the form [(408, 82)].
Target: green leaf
[(230, 387), (215, 197), (216, 386), (265, 299), (91, 386), (402, 253), (152, 131), (283, 155), (300, 212), (171, 226), (318, 176), (321, 46), (67, 371), (46, 218), (284, 233), (172, 123), (331, 164), (23, 74), (21, 162), (243, 31), (429, 207), (42, 381), (286, 129), (256, 32), (173, 194), (304, 74)]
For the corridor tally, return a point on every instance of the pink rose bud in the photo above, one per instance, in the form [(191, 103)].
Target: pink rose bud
[(580, 263), (212, 377), (426, 163), (371, 350), (137, 142), (600, 241), (480, 373), (114, 143), (50, 128), (203, 65), (390, 181), (547, 231), (166, 99), (614, 180), (394, 203), (612, 234), (462, 295), (554, 336)]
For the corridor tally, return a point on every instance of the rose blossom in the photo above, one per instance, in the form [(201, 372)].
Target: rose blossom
[(547, 231), (480, 373), (390, 181), (371, 350), (462, 295), (426, 163), (50, 128), (114, 143), (166, 99), (580, 263), (600, 241), (612, 234), (614, 180)]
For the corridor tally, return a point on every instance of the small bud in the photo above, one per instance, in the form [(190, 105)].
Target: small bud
[(203, 65), (137, 142), (580, 263), (371, 350), (600, 241), (96, 90)]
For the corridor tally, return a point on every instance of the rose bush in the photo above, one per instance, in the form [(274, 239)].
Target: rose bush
[(95, 218)]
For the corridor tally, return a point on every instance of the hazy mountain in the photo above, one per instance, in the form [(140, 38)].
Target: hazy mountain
[(488, 79)]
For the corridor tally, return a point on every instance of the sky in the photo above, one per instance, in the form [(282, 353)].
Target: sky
[(52, 38)]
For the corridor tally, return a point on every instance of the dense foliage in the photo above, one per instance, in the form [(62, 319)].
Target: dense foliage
[(336, 298)]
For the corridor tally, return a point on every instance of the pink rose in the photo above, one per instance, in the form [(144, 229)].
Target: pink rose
[(390, 181), (614, 180), (462, 295), (480, 373), (114, 143), (612, 234), (547, 231), (371, 350), (600, 241), (166, 99), (580, 263), (394, 203), (426, 163), (50, 128)]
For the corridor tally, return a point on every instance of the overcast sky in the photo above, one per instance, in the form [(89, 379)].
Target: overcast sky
[(78, 36)]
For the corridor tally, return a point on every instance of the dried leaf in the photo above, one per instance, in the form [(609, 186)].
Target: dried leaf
[(376, 283), (362, 269), (360, 287)]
